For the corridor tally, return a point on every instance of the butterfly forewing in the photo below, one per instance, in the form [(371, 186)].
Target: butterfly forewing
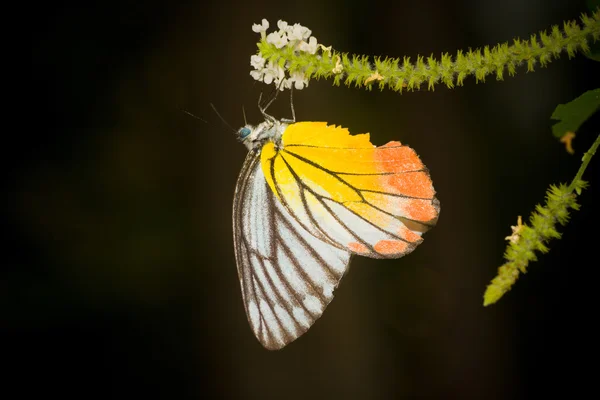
[(372, 201), (287, 274)]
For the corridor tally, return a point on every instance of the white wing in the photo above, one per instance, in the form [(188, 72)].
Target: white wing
[(287, 275)]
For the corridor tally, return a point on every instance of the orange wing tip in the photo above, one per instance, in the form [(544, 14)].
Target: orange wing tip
[(414, 184), (393, 157), (390, 247), (409, 235), (358, 248), (418, 210)]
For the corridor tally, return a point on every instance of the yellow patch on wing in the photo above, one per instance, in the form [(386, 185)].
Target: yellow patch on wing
[(386, 192), (322, 135), (267, 156), (320, 180)]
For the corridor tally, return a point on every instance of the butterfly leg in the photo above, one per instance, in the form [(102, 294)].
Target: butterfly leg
[(293, 120), (263, 110)]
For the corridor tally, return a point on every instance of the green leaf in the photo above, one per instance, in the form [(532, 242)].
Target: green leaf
[(575, 113)]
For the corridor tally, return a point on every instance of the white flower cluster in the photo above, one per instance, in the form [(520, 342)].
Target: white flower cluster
[(295, 36)]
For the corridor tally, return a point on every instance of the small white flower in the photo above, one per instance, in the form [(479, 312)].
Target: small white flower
[(278, 39), (298, 79), (273, 73), (298, 32), (300, 84), (295, 36), (262, 27), (282, 25), (295, 33), (257, 62), (257, 75), (306, 33), (310, 47), (286, 84)]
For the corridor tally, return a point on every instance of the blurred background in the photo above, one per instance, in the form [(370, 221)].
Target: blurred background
[(121, 282)]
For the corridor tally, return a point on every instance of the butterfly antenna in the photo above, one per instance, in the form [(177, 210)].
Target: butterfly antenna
[(244, 113), (222, 119), (192, 115)]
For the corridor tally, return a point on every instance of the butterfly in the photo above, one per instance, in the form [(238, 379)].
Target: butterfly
[(310, 196)]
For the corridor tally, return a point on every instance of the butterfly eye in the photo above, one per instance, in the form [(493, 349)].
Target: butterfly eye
[(244, 132)]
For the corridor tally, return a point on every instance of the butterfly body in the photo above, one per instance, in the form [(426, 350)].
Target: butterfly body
[(255, 137), (309, 196)]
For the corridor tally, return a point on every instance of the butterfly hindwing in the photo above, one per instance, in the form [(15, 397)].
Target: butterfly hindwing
[(287, 274)]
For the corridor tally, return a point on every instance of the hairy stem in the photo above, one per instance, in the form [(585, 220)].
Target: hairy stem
[(400, 74)]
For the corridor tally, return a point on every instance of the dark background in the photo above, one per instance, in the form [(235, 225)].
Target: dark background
[(121, 279)]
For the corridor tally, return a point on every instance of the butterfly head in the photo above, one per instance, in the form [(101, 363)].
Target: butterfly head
[(255, 136)]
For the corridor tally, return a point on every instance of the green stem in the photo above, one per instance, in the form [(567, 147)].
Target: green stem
[(531, 239), (586, 160), (400, 74)]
